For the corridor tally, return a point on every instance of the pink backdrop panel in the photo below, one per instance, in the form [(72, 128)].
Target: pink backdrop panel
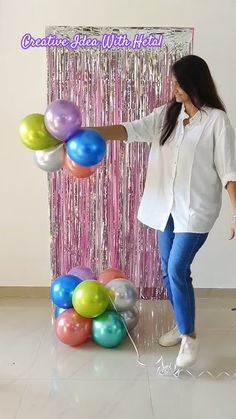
[(93, 222)]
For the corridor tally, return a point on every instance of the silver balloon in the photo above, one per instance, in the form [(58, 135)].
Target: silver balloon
[(125, 294), (131, 317), (51, 159)]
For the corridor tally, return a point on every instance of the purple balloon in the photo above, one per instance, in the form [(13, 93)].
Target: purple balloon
[(82, 272), (62, 119)]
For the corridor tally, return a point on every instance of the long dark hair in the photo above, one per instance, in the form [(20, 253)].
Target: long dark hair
[(194, 77)]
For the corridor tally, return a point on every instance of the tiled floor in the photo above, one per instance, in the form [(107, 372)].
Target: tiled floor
[(42, 378)]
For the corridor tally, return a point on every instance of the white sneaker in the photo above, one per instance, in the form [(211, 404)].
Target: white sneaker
[(188, 352), (170, 338)]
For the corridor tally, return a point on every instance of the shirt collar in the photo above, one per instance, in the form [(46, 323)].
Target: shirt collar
[(199, 115)]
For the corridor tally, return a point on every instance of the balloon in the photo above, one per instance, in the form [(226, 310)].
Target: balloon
[(125, 292), (58, 311), (131, 317), (110, 273), (90, 299), (62, 288), (108, 330), (86, 147), (82, 272), (72, 329), (51, 159), (77, 170), (62, 119), (33, 133)]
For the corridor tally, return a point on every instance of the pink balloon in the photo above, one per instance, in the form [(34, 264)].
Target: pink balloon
[(72, 329), (82, 272), (110, 273)]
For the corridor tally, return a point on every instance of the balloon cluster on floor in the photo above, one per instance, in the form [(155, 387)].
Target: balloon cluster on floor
[(101, 308), (59, 141)]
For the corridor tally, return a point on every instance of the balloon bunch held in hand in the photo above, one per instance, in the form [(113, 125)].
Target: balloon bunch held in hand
[(102, 308), (59, 142)]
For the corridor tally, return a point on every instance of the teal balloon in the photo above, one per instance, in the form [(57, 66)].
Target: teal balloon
[(108, 329)]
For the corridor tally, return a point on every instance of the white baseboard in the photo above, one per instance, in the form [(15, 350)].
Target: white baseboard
[(43, 292)]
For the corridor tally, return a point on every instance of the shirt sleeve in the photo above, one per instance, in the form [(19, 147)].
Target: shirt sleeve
[(225, 154), (146, 128)]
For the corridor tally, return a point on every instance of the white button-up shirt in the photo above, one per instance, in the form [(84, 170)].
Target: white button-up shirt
[(186, 176)]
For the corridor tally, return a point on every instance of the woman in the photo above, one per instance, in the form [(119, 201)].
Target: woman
[(192, 158)]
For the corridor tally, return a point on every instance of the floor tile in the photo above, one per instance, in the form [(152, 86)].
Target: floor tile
[(75, 399), (194, 399), (41, 377)]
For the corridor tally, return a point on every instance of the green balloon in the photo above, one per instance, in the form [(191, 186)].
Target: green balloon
[(34, 134), (108, 330), (90, 299)]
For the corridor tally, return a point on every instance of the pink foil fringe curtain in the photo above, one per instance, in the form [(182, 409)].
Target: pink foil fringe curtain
[(93, 222)]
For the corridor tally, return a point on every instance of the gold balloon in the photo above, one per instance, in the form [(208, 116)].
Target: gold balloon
[(34, 134)]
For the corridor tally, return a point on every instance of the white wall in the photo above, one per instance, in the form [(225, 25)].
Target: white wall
[(24, 225)]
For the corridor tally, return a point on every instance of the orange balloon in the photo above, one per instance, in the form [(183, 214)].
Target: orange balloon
[(79, 171), (110, 273)]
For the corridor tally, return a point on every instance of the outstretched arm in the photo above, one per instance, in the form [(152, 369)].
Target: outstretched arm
[(111, 132), (142, 130)]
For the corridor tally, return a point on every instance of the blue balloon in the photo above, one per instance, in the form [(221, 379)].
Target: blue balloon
[(86, 148), (58, 311), (108, 329), (62, 289)]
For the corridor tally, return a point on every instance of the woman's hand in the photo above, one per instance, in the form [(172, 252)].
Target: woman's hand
[(233, 229)]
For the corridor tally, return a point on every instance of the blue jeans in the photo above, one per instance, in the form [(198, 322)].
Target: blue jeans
[(177, 251)]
